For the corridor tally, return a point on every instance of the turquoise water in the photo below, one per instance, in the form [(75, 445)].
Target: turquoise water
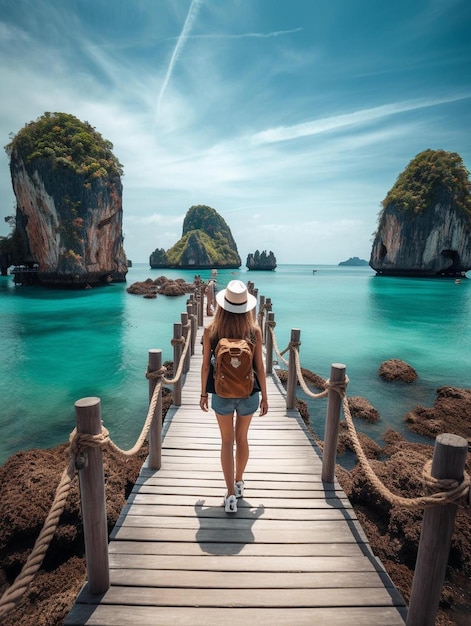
[(57, 347)]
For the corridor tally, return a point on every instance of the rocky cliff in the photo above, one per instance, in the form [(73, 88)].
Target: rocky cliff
[(261, 261), (206, 242), (425, 224), (69, 202)]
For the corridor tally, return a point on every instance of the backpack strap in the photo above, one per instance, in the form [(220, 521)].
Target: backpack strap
[(251, 338)]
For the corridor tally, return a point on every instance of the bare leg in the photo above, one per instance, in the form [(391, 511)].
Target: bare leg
[(226, 426), (242, 444)]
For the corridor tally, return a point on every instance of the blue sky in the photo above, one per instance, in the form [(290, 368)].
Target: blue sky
[(291, 118)]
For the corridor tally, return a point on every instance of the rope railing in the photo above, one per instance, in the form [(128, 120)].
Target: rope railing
[(15, 592), (279, 353), (78, 443), (186, 342), (445, 491)]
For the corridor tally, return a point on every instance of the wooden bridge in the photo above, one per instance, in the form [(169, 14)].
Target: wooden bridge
[(294, 554)]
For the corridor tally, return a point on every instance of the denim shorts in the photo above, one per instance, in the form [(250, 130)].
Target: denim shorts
[(242, 406)]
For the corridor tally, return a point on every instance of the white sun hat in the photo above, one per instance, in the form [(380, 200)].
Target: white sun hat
[(235, 298)]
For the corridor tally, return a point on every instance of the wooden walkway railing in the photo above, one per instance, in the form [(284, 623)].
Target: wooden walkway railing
[(294, 554)]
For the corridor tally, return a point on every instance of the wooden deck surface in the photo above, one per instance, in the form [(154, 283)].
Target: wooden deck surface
[(294, 554)]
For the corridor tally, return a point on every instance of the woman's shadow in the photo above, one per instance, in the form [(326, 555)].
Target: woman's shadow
[(226, 533)]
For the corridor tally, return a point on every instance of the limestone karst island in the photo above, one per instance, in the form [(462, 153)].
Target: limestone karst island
[(68, 223), (425, 223), (261, 261), (206, 242)]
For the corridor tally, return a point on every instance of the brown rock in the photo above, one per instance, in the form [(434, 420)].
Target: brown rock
[(311, 378), (362, 408), (162, 285), (172, 289), (451, 412), (395, 369), (370, 447)]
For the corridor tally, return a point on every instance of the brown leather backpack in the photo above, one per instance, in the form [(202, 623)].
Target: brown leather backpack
[(233, 368)]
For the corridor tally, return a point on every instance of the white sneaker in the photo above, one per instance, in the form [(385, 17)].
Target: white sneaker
[(239, 489), (230, 504)]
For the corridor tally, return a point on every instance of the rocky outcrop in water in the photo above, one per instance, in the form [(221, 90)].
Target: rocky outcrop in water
[(68, 190), (261, 261), (164, 286), (206, 242), (425, 224), (397, 370)]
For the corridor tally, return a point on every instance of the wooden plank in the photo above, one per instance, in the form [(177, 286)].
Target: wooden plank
[(148, 475), (250, 597), (243, 580), (229, 563), (318, 526), (124, 615), (302, 514), (232, 536), (202, 479), (249, 549), (305, 500)]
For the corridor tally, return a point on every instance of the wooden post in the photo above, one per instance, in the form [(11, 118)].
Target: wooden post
[(200, 300), (449, 458), (155, 430), (193, 324), (93, 498), (268, 307), (269, 343), (185, 328), (332, 423), (261, 315), (254, 310), (177, 354), (292, 375)]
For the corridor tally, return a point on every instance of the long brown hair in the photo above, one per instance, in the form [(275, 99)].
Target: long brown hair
[(232, 325)]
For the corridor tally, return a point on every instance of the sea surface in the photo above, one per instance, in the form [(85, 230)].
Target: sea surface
[(59, 346)]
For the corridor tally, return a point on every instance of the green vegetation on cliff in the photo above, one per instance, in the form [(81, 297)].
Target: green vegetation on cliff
[(66, 142), (206, 242), (432, 176)]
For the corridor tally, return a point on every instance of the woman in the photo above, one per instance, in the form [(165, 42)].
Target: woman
[(234, 320)]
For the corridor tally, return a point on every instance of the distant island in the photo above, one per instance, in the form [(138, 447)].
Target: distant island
[(261, 261), (354, 261), (206, 242)]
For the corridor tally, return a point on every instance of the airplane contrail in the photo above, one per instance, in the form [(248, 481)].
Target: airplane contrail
[(187, 26)]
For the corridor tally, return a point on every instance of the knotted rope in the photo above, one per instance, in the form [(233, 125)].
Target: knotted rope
[(145, 429), (444, 491), (187, 343), (261, 312), (15, 592), (271, 326)]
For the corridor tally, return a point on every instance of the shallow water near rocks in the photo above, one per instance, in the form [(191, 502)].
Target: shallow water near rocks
[(60, 346)]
